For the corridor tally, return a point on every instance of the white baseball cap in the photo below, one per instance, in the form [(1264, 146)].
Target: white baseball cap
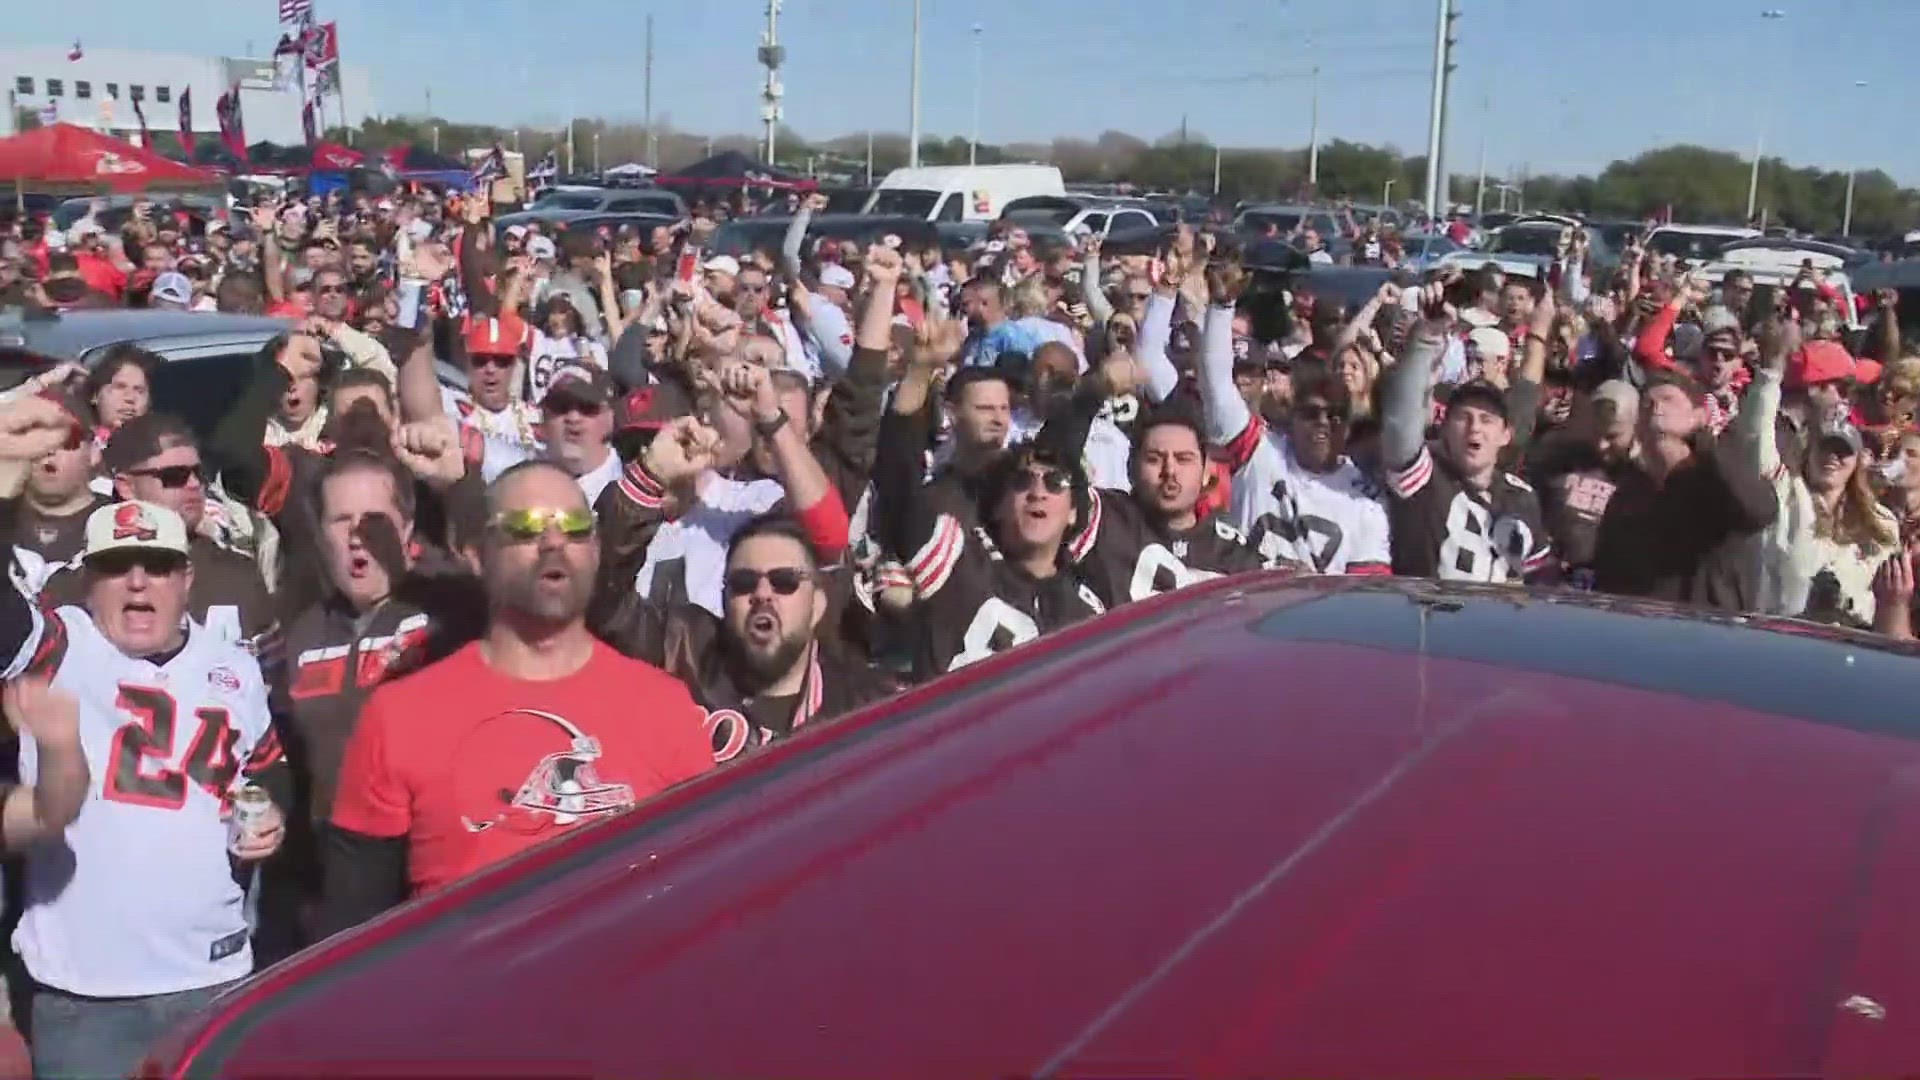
[(134, 526), (172, 287), (540, 247), (724, 264), (836, 276)]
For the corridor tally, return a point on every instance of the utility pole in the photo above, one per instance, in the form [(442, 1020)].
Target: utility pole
[(1216, 170), (653, 146), (973, 144), (1760, 141), (1437, 115), (1846, 215), (1480, 190), (596, 151), (429, 102), (772, 55), (1313, 133), (869, 157), (913, 97)]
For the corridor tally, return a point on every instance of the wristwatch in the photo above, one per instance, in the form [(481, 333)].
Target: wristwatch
[(767, 429)]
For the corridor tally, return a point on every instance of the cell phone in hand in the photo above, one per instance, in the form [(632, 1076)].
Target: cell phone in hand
[(410, 293), (689, 264)]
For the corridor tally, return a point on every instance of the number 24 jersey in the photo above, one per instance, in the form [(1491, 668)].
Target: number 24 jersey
[(137, 896)]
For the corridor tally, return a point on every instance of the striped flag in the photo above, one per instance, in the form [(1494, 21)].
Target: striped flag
[(146, 137), (293, 11), (490, 168), (186, 122)]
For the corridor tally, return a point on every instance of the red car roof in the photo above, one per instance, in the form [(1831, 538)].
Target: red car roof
[(1253, 828)]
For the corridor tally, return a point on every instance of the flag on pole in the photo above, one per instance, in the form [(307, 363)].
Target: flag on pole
[(293, 11), (75, 53), (186, 121), (146, 137), (50, 113), (233, 129), (492, 167), (307, 123), (545, 173)]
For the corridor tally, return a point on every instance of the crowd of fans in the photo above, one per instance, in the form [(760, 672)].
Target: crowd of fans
[(684, 505)]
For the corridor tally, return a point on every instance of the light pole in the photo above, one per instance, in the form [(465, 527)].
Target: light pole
[(1846, 215), (1386, 194), (973, 145), (913, 97), (1437, 115), (1313, 133), (1760, 141)]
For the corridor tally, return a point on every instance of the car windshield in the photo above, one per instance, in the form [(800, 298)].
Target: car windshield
[(906, 201), (1027, 219), (737, 238), (1527, 240), (566, 200), (1694, 246)]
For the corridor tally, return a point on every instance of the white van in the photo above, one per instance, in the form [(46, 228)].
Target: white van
[(961, 192)]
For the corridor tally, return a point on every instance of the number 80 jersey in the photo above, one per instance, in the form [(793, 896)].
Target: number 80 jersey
[(137, 896), (1443, 529)]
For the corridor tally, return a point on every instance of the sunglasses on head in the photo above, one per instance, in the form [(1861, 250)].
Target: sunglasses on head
[(784, 580), (171, 476), (524, 526), (1332, 414), (498, 360), (120, 563), (1052, 481)]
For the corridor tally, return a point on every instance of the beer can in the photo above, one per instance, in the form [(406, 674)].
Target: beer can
[(250, 805)]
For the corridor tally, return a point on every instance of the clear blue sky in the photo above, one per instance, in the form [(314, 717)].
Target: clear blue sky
[(1567, 84)]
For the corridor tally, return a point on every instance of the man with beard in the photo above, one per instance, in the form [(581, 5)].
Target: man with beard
[(1577, 468), (155, 458), (1454, 514), (51, 498), (1301, 501), (536, 728), (760, 671)]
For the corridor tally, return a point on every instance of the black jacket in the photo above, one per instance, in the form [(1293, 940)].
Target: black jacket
[(1694, 539)]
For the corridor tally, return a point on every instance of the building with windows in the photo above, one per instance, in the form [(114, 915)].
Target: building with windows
[(99, 90)]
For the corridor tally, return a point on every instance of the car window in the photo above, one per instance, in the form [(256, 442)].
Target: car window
[(1693, 246), (1095, 222), (910, 202), (1527, 240), (951, 209), (200, 390), (1256, 220), (567, 200)]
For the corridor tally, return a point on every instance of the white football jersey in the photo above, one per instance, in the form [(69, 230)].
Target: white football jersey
[(137, 896), (1331, 523), (687, 558)]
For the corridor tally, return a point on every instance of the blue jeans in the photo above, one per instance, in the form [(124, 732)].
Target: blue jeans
[(87, 1038)]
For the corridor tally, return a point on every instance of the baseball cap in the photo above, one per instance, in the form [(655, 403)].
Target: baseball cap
[(1621, 394), (836, 276), (516, 231), (1839, 430), (134, 526), (724, 264), (215, 225), (581, 383), (56, 241), (173, 288), (541, 247), (500, 335), (1492, 343), (1480, 393), (1819, 362), (84, 228), (646, 408)]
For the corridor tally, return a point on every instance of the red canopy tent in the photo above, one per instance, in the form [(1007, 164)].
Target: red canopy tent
[(67, 157)]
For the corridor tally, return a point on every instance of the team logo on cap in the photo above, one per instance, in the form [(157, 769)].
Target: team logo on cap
[(130, 522), (639, 401)]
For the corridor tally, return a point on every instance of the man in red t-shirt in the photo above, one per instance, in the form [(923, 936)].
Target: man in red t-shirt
[(536, 728)]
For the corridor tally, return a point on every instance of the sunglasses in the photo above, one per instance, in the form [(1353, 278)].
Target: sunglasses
[(491, 360), (1052, 481), (172, 476), (525, 526), (580, 408), (784, 580), (1332, 414), (121, 563), (330, 290)]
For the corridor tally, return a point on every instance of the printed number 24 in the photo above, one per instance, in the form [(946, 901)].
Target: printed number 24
[(149, 741)]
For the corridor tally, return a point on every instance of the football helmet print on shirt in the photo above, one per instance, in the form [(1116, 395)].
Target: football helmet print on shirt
[(561, 787), (1330, 523)]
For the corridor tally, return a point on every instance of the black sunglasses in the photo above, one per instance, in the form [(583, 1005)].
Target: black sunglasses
[(587, 409), (171, 476), (155, 562), (491, 360), (1053, 481), (785, 580), (1332, 414)]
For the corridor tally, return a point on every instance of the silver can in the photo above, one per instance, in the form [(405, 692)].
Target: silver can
[(248, 820)]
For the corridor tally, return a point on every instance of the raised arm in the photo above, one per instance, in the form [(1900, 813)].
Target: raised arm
[(1227, 414)]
